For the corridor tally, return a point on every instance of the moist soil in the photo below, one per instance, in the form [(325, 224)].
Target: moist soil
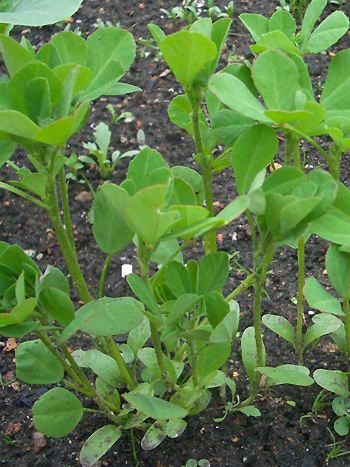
[(280, 437)]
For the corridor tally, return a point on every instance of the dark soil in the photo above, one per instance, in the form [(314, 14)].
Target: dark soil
[(275, 439)]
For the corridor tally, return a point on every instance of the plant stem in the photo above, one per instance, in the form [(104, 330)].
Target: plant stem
[(210, 238), (144, 255), (22, 194), (300, 300), (65, 207), (103, 276), (252, 232), (194, 366), (48, 344), (243, 286), (158, 349), (260, 278), (67, 250), (116, 354), (346, 309)]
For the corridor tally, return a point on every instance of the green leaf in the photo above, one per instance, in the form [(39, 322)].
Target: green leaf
[(256, 24), (275, 40), (318, 298), (166, 251), (139, 336), (157, 33), (111, 232), (229, 125), (253, 151), (36, 365), (328, 32), (332, 380), (101, 364), (280, 326), (234, 94), (111, 51), (213, 272), (196, 230), (18, 330), (158, 409), (277, 78), (211, 358), (177, 279), (70, 48), (216, 307), (336, 95), (175, 427), (98, 444), (58, 304), (14, 55), (295, 211), (188, 216), (38, 12), (20, 313), (110, 44), (155, 434), (146, 169), (313, 12), (234, 209), (184, 304), (199, 52), (323, 324), (250, 411), (54, 277), (144, 293), (14, 126), (338, 269), (193, 178), (6, 151), (288, 374), (219, 34), (227, 329), (106, 317), (144, 214), (120, 89), (340, 406), (283, 21), (342, 426), (57, 413)]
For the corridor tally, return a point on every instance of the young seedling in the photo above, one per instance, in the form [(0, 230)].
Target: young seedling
[(99, 152)]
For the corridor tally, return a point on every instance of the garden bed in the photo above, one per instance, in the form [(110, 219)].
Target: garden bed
[(278, 437)]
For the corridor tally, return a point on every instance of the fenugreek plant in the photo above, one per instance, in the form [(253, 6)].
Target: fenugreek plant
[(181, 322)]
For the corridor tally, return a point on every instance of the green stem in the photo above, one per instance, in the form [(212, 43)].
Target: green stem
[(144, 255), (22, 194), (346, 309), (260, 278), (292, 150), (103, 276), (243, 286), (309, 140), (65, 207), (194, 366), (48, 344), (158, 349), (116, 354), (67, 250), (253, 233), (299, 346), (210, 238)]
